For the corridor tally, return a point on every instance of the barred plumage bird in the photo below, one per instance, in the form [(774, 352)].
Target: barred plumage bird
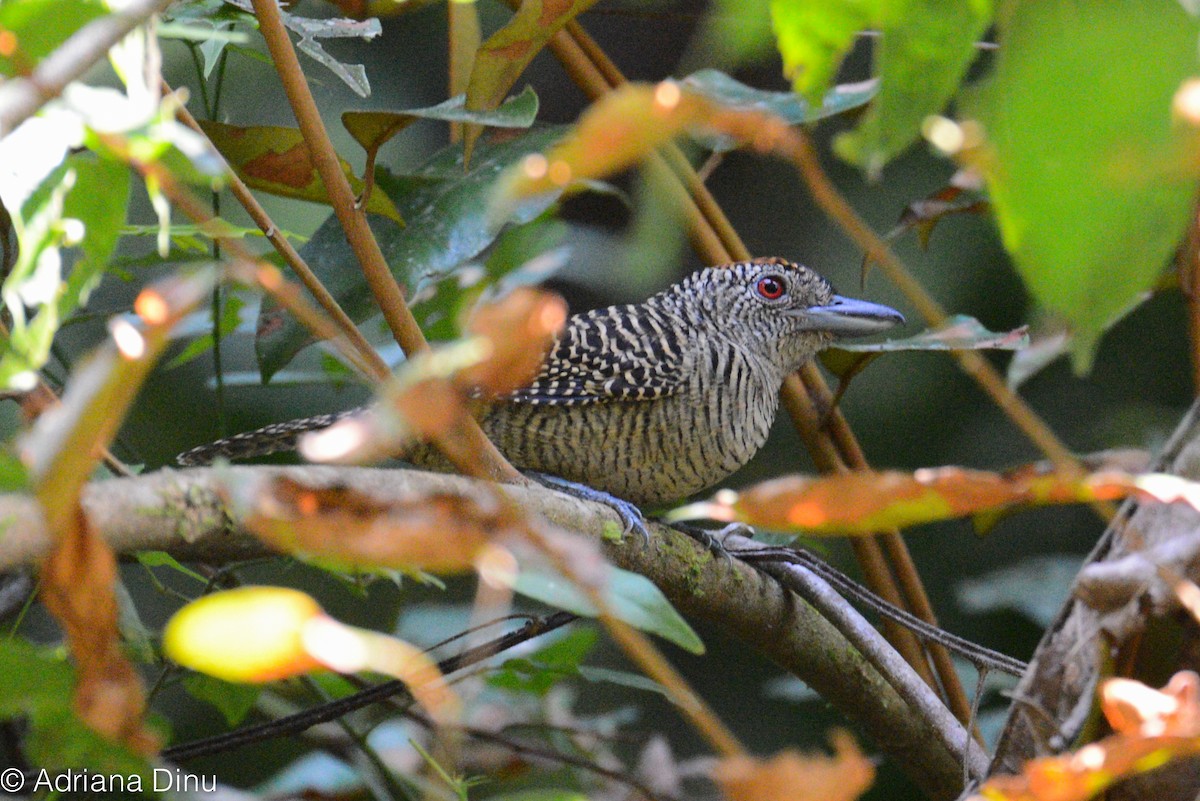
[(654, 401)]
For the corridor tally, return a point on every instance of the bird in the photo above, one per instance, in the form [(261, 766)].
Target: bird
[(656, 401)]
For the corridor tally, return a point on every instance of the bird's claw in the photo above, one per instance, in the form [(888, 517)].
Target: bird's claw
[(632, 519), (714, 541)]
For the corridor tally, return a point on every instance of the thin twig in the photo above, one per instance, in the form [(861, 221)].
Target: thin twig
[(867, 641), (237, 187), (525, 749), (981, 658), (798, 147), (294, 724), (246, 267)]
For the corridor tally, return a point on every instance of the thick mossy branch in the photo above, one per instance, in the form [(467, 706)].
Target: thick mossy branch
[(185, 513)]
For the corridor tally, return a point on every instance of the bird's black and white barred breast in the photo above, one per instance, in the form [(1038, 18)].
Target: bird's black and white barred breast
[(619, 353)]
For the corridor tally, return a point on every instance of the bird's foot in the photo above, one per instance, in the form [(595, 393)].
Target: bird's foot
[(714, 541), (631, 516)]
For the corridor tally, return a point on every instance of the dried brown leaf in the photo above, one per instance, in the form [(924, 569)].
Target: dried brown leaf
[(441, 532), (77, 587), (521, 328), (1153, 728), (792, 776)]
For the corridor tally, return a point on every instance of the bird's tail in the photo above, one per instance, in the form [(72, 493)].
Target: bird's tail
[(275, 438)]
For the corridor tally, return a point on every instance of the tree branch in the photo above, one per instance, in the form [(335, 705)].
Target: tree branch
[(184, 513)]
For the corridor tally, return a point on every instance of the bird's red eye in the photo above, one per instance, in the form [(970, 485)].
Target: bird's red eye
[(770, 287)]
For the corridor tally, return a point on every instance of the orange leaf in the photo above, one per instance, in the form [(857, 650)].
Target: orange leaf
[(77, 587), (792, 776), (620, 129), (429, 399), (1132, 707), (867, 501), (521, 328), (439, 532), (506, 53), (1153, 728), (275, 159)]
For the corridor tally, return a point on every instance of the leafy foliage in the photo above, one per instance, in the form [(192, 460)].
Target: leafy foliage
[(1092, 227), (447, 209)]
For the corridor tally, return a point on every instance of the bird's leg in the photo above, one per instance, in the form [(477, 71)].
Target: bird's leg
[(631, 516)]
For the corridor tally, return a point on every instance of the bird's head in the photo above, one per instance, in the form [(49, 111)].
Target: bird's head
[(784, 310)]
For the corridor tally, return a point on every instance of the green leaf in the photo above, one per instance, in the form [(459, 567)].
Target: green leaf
[(738, 31), (961, 332), (40, 26), (164, 559), (135, 637), (522, 255), (733, 94), (275, 159), (925, 49), (503, 57), (372, 129), (622, 678), (1091, 179), (310, 29), (230, 317), (99, 200), (214, 25), (33, 288), (233, 701), (1036, 588), (39, 686), (546, 667), (814, 36), (632, 597), (447, 210), (14, 475)]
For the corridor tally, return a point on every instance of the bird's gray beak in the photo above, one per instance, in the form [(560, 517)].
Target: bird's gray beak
[(848, 317)]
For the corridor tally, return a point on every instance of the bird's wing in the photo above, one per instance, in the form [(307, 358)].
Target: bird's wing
[(622, 353)]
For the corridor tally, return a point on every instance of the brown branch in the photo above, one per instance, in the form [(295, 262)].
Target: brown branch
[(799, 149), (244, 265), (354, 221), (185, 514), (20, 98)]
